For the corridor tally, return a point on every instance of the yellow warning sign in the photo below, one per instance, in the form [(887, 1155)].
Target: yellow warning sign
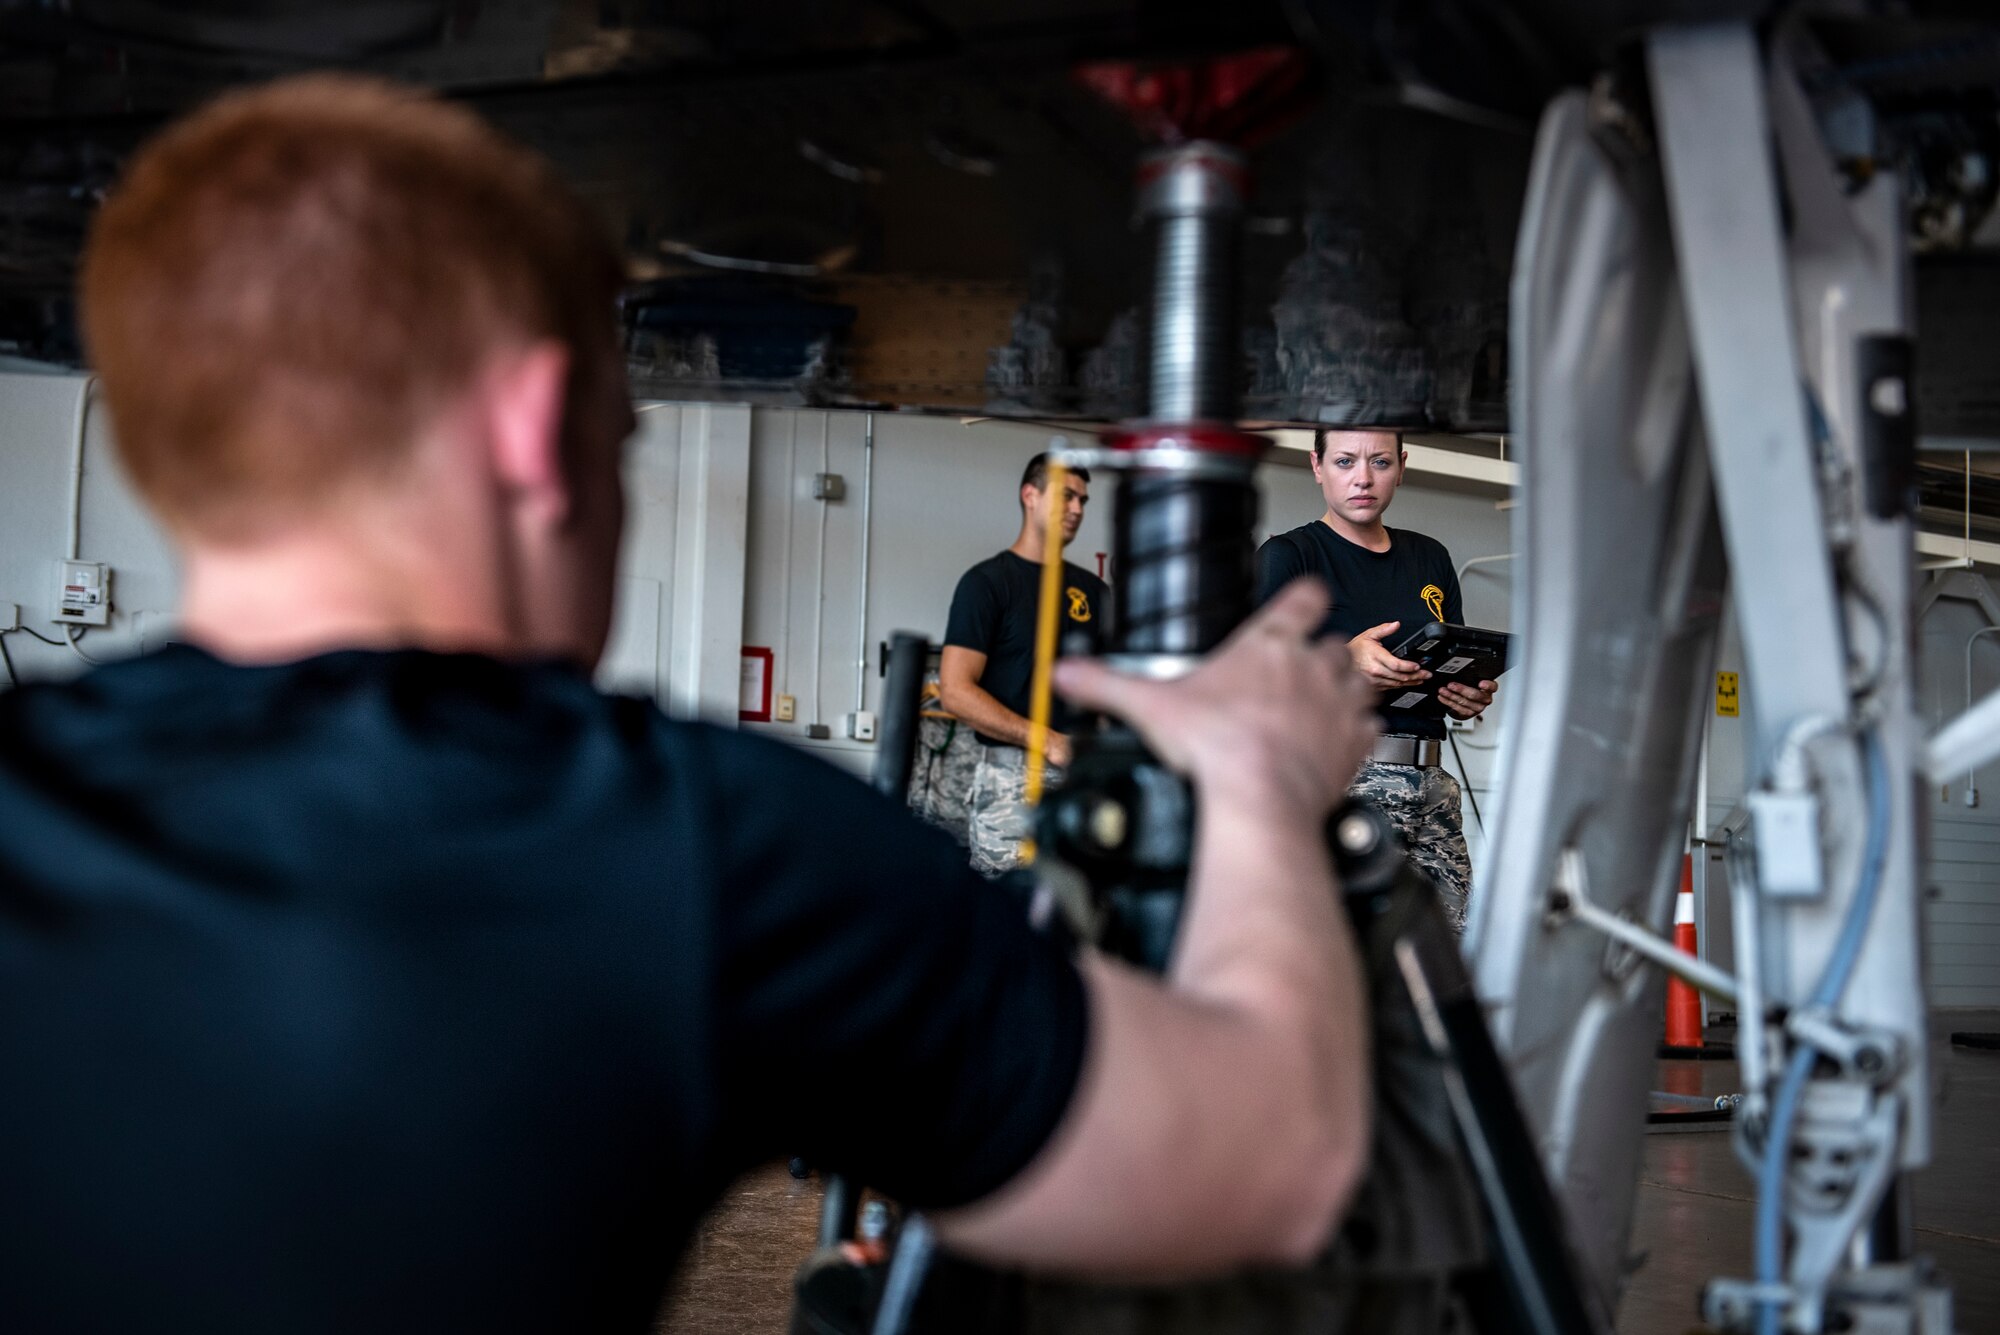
[(1725, 694)]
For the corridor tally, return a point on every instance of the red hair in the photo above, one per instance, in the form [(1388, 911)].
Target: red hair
[(288, 286)]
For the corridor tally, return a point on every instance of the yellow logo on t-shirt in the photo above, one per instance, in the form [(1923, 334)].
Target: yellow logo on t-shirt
[(1433, 598), (1079, 605)]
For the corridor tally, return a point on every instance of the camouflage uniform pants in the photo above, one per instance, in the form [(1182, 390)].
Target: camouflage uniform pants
[(1423, 805), (997, 816), (941, 779)]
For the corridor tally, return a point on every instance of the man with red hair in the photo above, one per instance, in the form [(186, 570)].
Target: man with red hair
[(362, 968)]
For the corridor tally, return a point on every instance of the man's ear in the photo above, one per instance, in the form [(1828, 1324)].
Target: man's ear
[(526, 399)]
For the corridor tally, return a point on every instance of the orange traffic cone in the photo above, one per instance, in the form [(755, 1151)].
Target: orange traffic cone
[(1683, 1006)]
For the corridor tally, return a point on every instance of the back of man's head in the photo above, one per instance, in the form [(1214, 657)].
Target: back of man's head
[(288, 287)]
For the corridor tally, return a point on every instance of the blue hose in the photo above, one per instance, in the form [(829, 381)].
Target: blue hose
[(1769, 1239)]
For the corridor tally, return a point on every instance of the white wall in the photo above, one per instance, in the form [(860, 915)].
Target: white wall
[(724, 548), (38, 415), (677, 628), (1962, 905), (1962, 917), (944, 498)]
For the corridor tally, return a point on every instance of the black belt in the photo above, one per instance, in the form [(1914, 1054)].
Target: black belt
[(1420, 752)]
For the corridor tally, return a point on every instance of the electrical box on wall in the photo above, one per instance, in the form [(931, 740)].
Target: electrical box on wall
[(83, 593)]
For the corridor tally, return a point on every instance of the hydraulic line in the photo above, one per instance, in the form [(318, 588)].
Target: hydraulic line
[(1768, 1236)]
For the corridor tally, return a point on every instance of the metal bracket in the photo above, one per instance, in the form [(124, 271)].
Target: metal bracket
[(1843, 1161), (1895, 1299), (1714, 127), (1844, 1149), (1871, 1056), (1731, 1304), (1567, 904)]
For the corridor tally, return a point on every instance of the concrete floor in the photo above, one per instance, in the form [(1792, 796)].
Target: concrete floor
[(1693, 1218), (1695, 1201)]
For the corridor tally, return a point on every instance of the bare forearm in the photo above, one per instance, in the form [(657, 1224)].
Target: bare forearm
[(1247, 1072), (1266, 938), (977, 706), (1247, 1068), (1188, 1148), (1263, 902)]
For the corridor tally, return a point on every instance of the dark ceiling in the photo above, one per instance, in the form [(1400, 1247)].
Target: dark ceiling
[(917, 201)]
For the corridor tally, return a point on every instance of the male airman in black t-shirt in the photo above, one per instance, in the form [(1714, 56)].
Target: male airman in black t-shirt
[(1386, 582), (989, 658), (363, 968)]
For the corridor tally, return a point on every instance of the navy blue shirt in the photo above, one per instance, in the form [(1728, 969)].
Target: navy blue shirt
[(1413, 583), (397, 991)]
